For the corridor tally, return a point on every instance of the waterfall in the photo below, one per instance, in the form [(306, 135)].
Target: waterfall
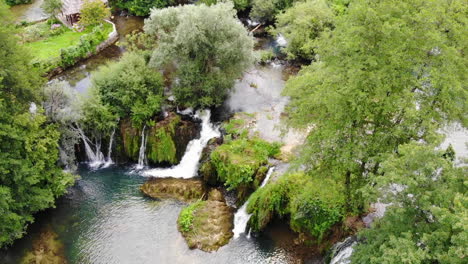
[(281, 41), (141, 155), (109, 151), (95, 158), (342, 251), (188, 166), (241, 218)]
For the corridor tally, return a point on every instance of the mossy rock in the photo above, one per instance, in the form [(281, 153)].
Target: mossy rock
[(186, 190), (207, 169), (167, 140), (47, 249), (161, 146), (131, 138), (207, 225)]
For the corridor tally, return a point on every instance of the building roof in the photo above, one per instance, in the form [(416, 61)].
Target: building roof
[(73, 6)]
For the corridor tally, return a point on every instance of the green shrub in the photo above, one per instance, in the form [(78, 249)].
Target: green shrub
[(237, 161), (313, 204), (161, 145), (185, 221), (265, 56), (17, 2)]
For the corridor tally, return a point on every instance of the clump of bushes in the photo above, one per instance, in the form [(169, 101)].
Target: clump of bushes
[(312, 205), (87, 44), (238, 161)]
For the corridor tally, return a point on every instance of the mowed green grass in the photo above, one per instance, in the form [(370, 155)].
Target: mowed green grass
[(50, 47)]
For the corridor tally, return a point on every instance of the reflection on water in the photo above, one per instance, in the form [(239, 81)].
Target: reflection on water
[(29, 12), (105, 219)]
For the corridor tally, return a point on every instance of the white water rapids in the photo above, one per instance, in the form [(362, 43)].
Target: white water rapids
[(188, 166), (241, 218)]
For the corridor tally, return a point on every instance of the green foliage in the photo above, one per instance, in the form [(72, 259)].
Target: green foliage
[(317, 207), (93, 12), (239, 5), (186, 216), (389, 73), (427, 222), (142, 7), (161, 145), (129, 88), (312, 204), (266, 10), (208, 45), (30, 180), (301, 25), (52, 7), (265, 56), (88, 43), (17, 2), (237, 161)]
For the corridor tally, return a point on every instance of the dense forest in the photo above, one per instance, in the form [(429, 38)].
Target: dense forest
[(373, 85)]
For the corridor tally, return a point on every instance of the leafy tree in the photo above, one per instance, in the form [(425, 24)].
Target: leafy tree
[(142, 7), (17, 2), (389, 73), (30, 180), (208, 45), (127, 88), (266, 10), (93, 12), (427, 222), (52, 7), (239, 5), (302, 24)]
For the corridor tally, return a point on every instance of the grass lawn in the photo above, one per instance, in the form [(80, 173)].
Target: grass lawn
[(50, 47)]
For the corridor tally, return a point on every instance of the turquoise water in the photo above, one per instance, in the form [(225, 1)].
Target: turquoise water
[(105, 219)]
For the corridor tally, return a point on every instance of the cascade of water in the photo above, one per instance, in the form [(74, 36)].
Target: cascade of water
[(109, 151), (95, 158), (342, 251), (281, 41), (241, 218), (188, 166), (141, 155)]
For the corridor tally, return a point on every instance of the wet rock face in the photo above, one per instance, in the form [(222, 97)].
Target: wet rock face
[(212, 224), (207, 170), (167, 140), (186, 190), (47, 249)]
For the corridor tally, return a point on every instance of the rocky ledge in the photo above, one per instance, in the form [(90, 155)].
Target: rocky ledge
[(207, 225), (186, 190)]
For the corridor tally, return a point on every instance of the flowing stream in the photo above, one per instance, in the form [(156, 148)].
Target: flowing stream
[(141, 154), (188, 166), (241, 218)]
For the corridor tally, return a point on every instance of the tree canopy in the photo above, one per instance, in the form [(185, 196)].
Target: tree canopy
[(127, 88), (93, 12), (208, 45), (30, 179), (389, 73), (427, 220)]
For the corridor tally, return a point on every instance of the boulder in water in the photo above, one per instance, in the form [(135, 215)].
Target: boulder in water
[(207, 225), (46, 249), (186, 190)]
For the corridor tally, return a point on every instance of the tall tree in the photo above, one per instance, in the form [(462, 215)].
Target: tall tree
[(427, 220), (30, 179), (207, 44), (391, 72)]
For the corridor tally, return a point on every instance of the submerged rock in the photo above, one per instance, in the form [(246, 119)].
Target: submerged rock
[(47, 249), (186, 190), (207, 225)]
